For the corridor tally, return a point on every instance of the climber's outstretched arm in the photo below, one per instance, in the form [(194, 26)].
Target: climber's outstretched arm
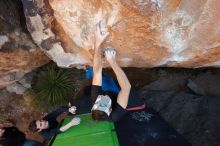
[(100, 36), (122, 79)]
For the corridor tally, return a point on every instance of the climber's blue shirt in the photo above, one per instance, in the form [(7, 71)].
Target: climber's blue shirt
[(108, 83)]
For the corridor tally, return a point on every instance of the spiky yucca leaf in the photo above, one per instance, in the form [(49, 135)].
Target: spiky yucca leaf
[(53, 85)]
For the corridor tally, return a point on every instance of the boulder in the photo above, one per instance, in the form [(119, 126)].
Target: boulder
[(145, 33), (195, 117), (206, 84), (16, 88), (18, 53)]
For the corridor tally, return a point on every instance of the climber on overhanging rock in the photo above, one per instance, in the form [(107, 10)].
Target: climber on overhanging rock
[(118, 103), (135, 124), (104, 85)]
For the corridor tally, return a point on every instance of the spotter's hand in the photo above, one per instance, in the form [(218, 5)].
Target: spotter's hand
[(72, 109), (75, 121)]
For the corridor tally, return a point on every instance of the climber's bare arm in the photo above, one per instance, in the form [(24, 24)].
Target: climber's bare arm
[(100, 36), (97, 68), (123, 81)]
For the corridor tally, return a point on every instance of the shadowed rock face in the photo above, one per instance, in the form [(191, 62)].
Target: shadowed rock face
[(18, 53), (145, 33)]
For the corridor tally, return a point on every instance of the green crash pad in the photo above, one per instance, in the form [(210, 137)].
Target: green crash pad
[(87, 133)]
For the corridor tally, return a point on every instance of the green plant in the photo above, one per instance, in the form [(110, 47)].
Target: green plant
[(54, 86)]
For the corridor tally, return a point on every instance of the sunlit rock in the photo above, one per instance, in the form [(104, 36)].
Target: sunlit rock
[(145, 33)]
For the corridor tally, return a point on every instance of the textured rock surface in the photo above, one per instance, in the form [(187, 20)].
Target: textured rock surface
[(146, 33), (18, 53), (195, 117)]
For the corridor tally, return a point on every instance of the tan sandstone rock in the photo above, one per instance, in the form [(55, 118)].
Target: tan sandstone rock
[(145, 33), (18, 53)]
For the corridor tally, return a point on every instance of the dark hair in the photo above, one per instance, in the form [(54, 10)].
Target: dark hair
[(32, 126), (98, 115), (12, 136)]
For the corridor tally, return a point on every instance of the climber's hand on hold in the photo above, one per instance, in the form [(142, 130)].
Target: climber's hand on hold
[(101, 33), (110, 55)]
